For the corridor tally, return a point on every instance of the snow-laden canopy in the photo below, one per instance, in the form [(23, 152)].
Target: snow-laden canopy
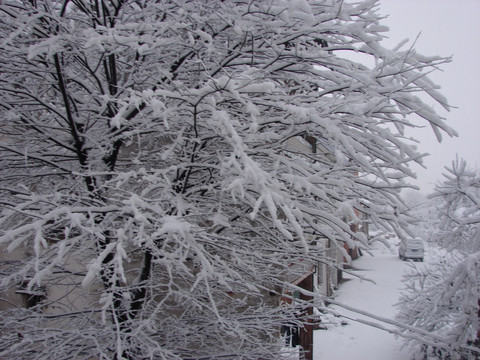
[(443, 298), (146, 180)]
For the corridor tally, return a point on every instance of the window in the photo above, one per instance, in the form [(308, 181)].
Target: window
[(33, 297)]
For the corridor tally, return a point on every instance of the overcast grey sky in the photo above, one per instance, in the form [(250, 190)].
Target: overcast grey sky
[(447, 28)]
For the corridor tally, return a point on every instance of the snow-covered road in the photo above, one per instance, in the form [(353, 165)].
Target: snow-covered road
[(356, 341)]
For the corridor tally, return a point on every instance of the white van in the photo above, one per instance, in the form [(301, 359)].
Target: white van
[(411, 249)]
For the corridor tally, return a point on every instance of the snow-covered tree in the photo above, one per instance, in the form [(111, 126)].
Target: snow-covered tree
[(443, 297), (424, 210), (149, 194)]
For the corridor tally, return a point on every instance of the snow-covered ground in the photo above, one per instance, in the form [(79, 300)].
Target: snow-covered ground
[(356, 341)]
